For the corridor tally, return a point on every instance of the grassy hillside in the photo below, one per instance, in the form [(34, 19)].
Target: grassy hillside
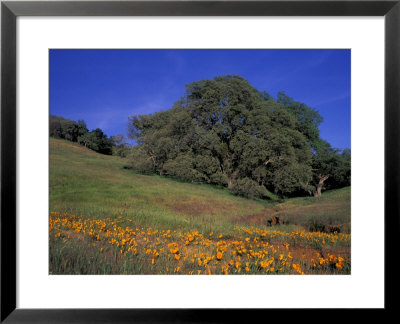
[(93, 198), (87, 183)]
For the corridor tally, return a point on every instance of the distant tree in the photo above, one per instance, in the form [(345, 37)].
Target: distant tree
[(55, 128), (89, 140), (82, 128), (73, 131), (70, 130), (101, 141)]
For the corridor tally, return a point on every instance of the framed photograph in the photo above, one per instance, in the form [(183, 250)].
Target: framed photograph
[(163, 158)]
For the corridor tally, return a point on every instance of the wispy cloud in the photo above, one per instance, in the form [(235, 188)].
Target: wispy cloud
[(321, 59), (104, 117), (281, 74), (333, 99)]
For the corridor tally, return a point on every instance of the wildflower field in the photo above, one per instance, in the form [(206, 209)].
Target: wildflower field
[(107, 220)]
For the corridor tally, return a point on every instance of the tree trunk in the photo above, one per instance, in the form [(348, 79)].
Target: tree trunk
[(230, 183), (232, 176), (318, 192)]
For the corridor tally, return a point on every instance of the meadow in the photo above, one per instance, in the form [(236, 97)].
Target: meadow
[(105, 219)]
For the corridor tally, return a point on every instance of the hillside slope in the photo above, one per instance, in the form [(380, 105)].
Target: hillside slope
[(84, 182), (88, 183)]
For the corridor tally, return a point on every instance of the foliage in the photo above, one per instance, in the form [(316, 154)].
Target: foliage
[(182, 167), (331, 167), (249, 188), (308, 119), (224, 131), (97, 141), (70, 130), (140, 161), (120, 146)]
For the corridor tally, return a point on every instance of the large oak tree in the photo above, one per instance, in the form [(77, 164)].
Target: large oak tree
[(224, 131)]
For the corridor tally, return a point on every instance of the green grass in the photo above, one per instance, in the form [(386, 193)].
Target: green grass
[(86, 183), (332, 208)]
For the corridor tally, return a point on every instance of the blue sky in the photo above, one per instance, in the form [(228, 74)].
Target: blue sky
[(104, 87)]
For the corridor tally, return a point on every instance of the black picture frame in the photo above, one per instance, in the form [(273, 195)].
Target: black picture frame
[(10, 10)]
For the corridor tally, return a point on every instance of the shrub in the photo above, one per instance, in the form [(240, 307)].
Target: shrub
[(316, 225), (218, 178), (249, 188)]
